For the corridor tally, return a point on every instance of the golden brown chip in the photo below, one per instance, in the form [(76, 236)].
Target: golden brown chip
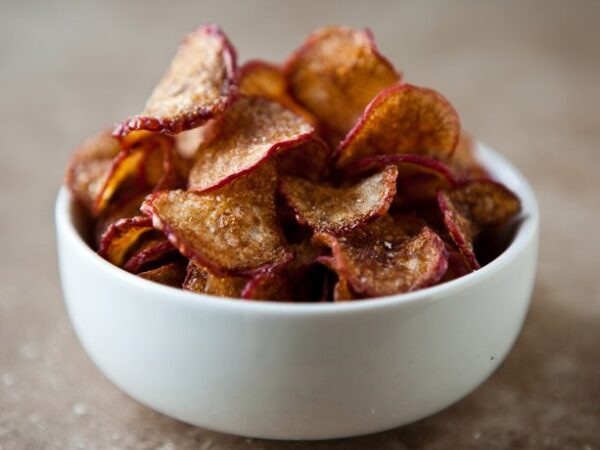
[(252, 130), (121, 236), (403, 119), (309, 160), (274, 285), (230, 231), (341, 290), (340, 209), (464, 163), (150, 252), (473, 206), (382, 259), (336, 73), (90, 166), (199, 85), (170, 274), (128, 206), (201, 281)]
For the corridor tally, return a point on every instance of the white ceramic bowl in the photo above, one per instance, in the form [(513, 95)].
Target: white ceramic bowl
[(300, 371)]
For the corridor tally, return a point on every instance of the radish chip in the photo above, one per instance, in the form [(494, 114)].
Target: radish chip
[(170, 274), (121, 236)]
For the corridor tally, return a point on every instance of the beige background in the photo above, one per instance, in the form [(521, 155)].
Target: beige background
[(525, 77)]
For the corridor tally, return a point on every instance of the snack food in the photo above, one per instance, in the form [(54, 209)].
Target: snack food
[(326, 178)]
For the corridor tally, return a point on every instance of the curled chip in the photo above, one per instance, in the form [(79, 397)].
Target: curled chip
[(269, 285), (341, 290), (230, 231), (90, 166), (463, 162), (171, 274), (200, 84), (121, 236), (382, 259), (339, 209), (201, 281), (150, 252), (336, 73), (251, 131), (403, 119), (468, 209), (309, 160), (128, 206)]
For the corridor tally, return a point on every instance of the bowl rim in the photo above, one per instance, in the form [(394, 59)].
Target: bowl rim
[(499, 167)]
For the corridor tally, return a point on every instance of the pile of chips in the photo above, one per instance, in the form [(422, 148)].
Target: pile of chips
[(327, 178)]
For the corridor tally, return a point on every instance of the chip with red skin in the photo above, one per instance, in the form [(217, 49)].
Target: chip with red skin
[(383, 259), (121, 236), (340, 209), (150, 252), (309, 160), (201, 281), (171, 274), (336, 73), (341, 290), (90, 166), (199, 85), (271, 285), (127, 206), (473, 206), (464, 163), (402, 119), (252, 130), (233, 230)]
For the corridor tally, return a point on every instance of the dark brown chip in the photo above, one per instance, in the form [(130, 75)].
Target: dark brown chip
[(231, 231), (383, 259), (340, 209), (336, 73), (121, 236), (201, 281), (152, 251), (252, 130), (403, 119), (170, 274), (199, 85)]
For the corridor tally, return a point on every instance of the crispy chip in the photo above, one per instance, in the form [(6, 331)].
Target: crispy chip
[(339, 209), (90, 166), (201, 281), (269, 285), (121, 236), (232, 230), (128, 206), (341, 290), (336, 73), (463, 162), (309, 160), (473, 206), (171, 274), (153, 250), (382, 259), (252, 130), (199, 85), (403, 119)]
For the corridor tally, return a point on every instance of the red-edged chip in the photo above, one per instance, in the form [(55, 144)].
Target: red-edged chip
[(128, 206), (464, 163), (272, 285), (341, 290), (383, 259), (121, 236), (403, 119), (309, 160), (340, 209), (171, 274), (336, 73), (230, 231), (150, 252), (473, 206), (199, 85), (251, 131), (201, 281), (90, 166)]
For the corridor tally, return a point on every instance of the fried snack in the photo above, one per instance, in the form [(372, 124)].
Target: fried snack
[(170, 274), (150, 252), (199, 85), (336, 73), (340, 209), (201, 281), (121, 236), (468, 209), (464, 163), (402, 119), (231, 231), (383, 259), (252, 130), (309, 160)]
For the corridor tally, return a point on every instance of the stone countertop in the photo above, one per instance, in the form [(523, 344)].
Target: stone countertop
[(525, 78)]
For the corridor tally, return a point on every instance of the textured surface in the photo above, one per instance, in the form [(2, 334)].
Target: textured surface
[(524, 77)]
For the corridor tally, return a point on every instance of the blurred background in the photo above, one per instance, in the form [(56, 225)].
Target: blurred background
[(525, 78)]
